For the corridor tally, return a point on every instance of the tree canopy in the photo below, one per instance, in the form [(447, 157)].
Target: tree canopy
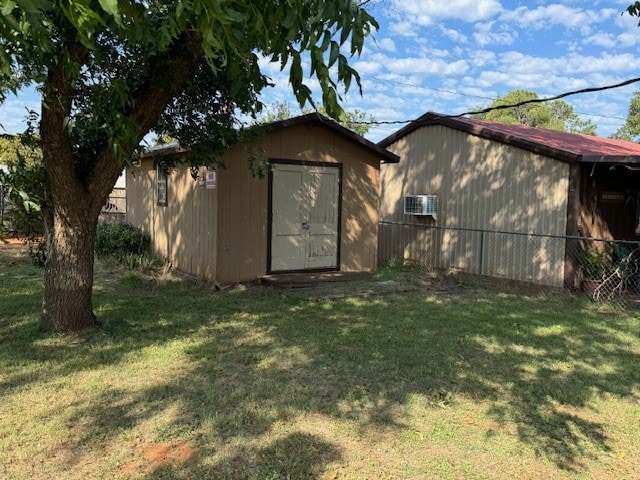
[(555, 115), (109, 71), (630, 129), (356, 120)]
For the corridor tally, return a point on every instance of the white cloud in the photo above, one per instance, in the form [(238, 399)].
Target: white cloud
[(367, 67), (572, 64), (556, 14), (601, 39), (454, 35), (631, 31), (484, 35), (481, 58), (627, 39), (403, 29), (387, 45), (426, 66), (429, 51), (429, 12)]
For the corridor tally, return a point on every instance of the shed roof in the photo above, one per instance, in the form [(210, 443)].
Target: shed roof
[(564, 146), (311, 118), (385, 155)]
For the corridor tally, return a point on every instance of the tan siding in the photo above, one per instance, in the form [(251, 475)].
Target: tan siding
[(241, 238), (243, 201), (480, 184), (222, 234), (183, 232), (141, 197)]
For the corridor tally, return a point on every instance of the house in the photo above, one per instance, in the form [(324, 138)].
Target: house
[(316, 209), (483, 176)]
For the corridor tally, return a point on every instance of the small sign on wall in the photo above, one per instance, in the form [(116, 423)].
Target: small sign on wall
[(612, 197), (210, 179)]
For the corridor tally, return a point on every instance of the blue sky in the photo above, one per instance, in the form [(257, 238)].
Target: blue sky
[(452, 56), (456, 55)]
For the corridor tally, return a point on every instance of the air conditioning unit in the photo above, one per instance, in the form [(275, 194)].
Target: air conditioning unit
[(421, 205)]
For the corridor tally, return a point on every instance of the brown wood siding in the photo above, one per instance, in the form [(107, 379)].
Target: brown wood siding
[(242, 219), (141, 197), (480, 184), (183, 232), (244, 200), (221, 234)]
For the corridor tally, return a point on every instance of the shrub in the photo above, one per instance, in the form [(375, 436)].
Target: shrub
[(121, 240), (37, 252)]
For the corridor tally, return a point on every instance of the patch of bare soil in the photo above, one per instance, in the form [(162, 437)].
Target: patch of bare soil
[(152, 457), (12, 243)]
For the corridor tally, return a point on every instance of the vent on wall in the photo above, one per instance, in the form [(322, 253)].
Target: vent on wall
[(421, 205)]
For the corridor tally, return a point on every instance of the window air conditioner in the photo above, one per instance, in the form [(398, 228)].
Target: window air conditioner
[(421, 205)]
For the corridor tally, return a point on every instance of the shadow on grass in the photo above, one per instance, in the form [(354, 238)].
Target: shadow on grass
[(260, 357)]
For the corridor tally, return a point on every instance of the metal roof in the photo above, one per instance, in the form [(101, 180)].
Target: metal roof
[(564, 146)]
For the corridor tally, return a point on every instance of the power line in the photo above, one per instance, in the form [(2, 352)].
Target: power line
[(518, 104), (549, 99), (492, 98)]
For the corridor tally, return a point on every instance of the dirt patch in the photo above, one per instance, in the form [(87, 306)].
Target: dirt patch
[(13, 243), (152, 457)]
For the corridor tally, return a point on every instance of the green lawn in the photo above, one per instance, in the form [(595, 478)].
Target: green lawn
[(255, 383)]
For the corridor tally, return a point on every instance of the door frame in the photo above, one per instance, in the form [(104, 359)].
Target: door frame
[(304, 163)]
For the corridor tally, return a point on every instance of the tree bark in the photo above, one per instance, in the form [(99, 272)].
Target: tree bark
[(68, 276), (72, 203)]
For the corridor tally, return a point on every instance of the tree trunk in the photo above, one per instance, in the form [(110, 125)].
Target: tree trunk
[(77, 186), (68, 275)]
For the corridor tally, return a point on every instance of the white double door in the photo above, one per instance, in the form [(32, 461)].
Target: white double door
[(304, 217)]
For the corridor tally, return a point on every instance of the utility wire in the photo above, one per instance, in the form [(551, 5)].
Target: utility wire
[(503, 107), (549, 99), (413, 85)]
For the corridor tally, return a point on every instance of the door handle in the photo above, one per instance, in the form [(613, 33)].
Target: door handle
[(305, 225)]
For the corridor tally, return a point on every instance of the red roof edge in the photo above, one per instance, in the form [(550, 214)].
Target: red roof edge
[(431, 118), (579, 148)]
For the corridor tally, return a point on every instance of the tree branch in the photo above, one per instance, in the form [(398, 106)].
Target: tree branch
[(167, 76)]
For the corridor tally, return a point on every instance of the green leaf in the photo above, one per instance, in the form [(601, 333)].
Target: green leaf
[(180, 9), (290, 18), (333, 55), (110, 6), (326, 40), (295, 73), (8, 7)]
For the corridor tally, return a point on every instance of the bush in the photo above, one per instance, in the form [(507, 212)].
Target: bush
[(121, 240), (37, 252)]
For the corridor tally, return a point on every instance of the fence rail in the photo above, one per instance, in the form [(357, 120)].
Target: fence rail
[(115, 208), (605, 269)]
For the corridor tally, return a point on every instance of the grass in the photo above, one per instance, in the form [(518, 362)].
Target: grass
[(255, 383)]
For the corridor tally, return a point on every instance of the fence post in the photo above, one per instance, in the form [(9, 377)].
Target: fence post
[(480, 256)]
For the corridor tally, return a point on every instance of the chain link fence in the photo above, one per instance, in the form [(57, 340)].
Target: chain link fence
[(605, 270)]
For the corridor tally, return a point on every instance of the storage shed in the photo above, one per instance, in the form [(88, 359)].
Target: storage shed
[(316, 209), (504, 196)]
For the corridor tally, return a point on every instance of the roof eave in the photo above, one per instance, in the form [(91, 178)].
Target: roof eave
[(429, 119), (610, 159), (168, 150), (385, 155)]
